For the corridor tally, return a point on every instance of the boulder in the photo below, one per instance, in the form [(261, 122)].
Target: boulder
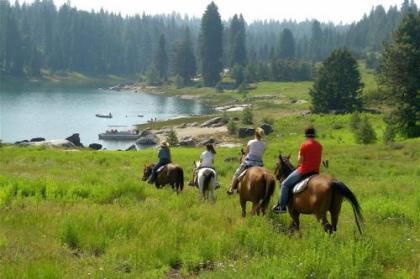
[(194, 124), (212, 121), (181, 126), (95, 146), (145, 132), (246, 132), (75, 139), (163, 131), (187, 142), (209, 141), (132, 148), (268, 129), (150, 139), (59, 143), (215, 125), (37, 139)]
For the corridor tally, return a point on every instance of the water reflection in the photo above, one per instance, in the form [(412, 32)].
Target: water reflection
[(34, 111)]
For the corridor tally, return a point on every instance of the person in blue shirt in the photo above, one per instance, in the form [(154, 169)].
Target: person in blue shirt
[(164, 156)]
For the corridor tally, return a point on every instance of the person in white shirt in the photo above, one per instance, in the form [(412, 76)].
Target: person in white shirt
[(206, 161), (207, 157), (254, 157)]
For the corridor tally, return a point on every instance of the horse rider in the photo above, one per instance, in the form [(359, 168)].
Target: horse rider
[(309, 161), (206, 161), (254, 154), (164, 156)]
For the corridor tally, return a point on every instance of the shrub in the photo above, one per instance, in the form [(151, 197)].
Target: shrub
[(219, 87), (389, 134), (225, 117), (268, 120), (365, 134), (172, 138), (355, 121), (232, 127), (243, 87), (247, 116)]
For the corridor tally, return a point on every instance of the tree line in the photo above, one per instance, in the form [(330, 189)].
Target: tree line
[(40, 35)]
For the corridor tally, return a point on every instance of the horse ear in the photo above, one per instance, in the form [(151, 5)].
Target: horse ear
[(288, 157), (242, 150)]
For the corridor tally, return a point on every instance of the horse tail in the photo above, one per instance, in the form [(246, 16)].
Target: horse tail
[(207, 178), (270, 185), (348, 195)]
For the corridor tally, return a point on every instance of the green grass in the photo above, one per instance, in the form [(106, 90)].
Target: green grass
[(85, 214)]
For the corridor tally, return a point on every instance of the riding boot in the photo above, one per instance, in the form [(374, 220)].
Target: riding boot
[(234, 186)]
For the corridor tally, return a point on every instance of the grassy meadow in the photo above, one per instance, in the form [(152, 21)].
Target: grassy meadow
[(86, 214)]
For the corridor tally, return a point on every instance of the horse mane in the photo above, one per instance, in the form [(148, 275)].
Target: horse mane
[(287, 163)]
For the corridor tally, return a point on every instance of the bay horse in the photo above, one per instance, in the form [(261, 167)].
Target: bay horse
[(170, 174), (205, 181), (257, 185), (322, 194)]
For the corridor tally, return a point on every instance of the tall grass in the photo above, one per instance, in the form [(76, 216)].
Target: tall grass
[(87, 215)]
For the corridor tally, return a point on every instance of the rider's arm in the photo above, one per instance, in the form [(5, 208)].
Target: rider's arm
[(300, 158)]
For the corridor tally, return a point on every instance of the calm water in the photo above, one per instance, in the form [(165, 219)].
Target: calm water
[(28, 111)]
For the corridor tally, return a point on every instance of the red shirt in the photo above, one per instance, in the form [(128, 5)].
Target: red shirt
[(311, 150)]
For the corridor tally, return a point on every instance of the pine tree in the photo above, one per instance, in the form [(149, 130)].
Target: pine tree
[(338, 85), (400, 73), (161, 59), (211, 45), (237, 45), (184, 59), (287, 45)]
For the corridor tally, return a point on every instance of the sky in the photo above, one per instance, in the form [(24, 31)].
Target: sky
[(324, 10)]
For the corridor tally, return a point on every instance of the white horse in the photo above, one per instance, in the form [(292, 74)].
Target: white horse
[(206, 180)]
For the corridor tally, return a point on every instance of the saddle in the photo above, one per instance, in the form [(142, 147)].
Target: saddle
[(244, 171), (161, 168), (301, 185)]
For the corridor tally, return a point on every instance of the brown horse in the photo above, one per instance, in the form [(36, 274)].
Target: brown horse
[(323, 193), (170, 174), (256, 186)]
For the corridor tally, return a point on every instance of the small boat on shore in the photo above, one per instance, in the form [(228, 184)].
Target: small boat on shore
[(104, 115), (119, 135), (140, 115)]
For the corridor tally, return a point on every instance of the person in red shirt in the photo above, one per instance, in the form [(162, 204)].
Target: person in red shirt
[(309, 162)]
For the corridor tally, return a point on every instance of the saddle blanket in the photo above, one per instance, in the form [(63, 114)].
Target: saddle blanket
[(242, 174), (301, 186), (161, 168)]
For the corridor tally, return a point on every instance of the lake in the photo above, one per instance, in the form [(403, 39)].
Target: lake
[(29, 110)]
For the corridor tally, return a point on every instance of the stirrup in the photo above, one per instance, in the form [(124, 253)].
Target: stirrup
[(279, 209)]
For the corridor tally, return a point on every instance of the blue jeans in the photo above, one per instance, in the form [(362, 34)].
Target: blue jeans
[(286, 186), (161, 162)]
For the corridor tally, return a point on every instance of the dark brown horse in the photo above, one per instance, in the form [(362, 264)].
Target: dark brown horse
[(323, 194), (256, 186), (170, 174)]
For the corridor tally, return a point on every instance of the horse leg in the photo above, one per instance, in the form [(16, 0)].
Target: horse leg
[(324, 221), (254, 208), (243, 206), (295, 224), (335, 212)]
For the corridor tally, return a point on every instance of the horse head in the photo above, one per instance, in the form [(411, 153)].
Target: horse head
[(147, 171), (243, 154), (283, 167)]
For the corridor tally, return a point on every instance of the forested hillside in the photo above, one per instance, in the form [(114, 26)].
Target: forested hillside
[(42, 35)]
